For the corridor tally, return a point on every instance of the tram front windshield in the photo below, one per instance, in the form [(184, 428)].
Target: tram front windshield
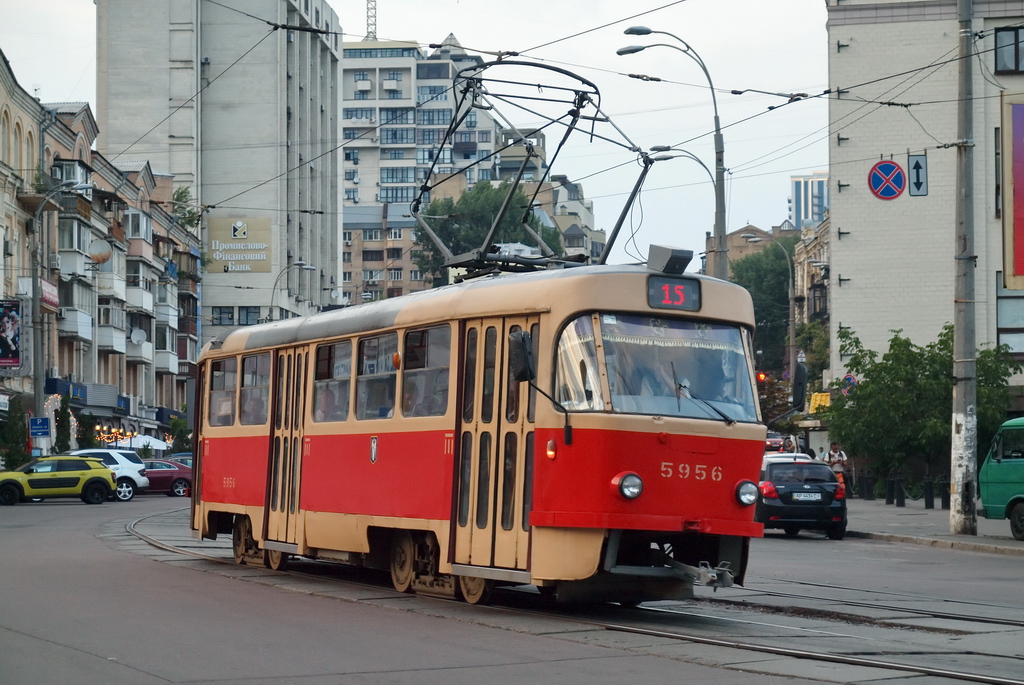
[(655, 365)]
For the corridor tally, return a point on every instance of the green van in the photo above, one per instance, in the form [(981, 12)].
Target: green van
[(1001, 479)]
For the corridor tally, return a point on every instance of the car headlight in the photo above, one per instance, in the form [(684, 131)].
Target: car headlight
[(629, 484), (746, 493)]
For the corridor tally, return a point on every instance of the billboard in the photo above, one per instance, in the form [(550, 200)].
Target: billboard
[(239, 245), (10, 334)]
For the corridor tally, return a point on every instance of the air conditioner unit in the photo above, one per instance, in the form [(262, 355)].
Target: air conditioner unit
[(73, 377), (348, 243), (373, 119), (355, 200), (374, 139), (371, 283), (55, 261), (62, 312), (53, 372)]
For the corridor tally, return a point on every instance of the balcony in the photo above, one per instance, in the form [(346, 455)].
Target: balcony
[(166, 362), (166, 313), (74, 323), (139, 353), (139, 294), (189, 286), (188, 325), (110, 285), (111, 339)]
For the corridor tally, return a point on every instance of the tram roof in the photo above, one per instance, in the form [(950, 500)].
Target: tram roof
[(448, 302)]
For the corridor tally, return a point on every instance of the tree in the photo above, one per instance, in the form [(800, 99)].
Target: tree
[(812, 338), (181, 431), (185, 208), (900, 412), (62, 443), (15, 435), (86, 433), (773, 396), (766, 275), (467, 221)]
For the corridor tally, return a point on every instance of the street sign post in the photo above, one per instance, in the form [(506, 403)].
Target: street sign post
[(39, 427), (918, 169)]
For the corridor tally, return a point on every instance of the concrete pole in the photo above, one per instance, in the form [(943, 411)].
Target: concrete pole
[(721, 262), (962, 514)]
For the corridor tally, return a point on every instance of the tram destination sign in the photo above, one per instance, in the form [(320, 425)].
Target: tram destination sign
[(673, 293)]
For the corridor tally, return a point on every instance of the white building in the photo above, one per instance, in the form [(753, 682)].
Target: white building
[(247, 117), (893, 72), (808, 199)]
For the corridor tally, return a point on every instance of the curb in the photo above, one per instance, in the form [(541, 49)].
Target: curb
[(943, 543)]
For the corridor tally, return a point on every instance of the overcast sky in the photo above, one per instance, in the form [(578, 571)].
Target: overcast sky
[(770, 45)]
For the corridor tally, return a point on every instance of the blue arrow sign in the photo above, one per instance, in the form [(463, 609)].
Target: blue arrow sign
[(39, 427)]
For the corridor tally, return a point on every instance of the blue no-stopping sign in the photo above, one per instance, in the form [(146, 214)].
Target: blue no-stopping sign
[(887, 180)]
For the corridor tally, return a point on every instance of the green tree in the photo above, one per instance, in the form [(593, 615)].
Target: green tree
[(812, 338), (86, 433), (15, 435), (766, 275), (185, 208), (899, 415), (145, 452), (467, 222), (181, 431), (62, 443)]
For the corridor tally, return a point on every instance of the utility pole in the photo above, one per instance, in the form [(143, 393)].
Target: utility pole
[(963, 518)]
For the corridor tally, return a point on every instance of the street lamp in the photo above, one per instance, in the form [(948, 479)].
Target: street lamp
[(298, 264), (38, 372), (721, 249), (791, 347)]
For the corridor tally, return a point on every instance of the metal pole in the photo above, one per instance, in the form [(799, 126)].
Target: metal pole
[(721, 262), (962, 515)]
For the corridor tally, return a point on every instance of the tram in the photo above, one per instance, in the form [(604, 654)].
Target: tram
[(592, 431)]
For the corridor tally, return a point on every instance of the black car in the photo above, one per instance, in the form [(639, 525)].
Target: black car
[(801, 494)]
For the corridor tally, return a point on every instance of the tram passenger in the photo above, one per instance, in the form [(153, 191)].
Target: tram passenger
[(326, 406), (254, 412), (412, 401)]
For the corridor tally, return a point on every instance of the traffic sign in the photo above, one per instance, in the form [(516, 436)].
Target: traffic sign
[(917, 165), (849, 383), (39, 427), (887, 180)]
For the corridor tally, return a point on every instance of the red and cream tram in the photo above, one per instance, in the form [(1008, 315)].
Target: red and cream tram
[(417, 435)]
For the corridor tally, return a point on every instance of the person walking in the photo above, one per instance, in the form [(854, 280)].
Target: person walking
[(836, 458)]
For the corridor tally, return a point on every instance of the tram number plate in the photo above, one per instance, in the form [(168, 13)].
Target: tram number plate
[(694, 471), (806, 496)]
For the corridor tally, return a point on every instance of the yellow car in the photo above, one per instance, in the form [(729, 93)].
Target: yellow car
[(62, 476)]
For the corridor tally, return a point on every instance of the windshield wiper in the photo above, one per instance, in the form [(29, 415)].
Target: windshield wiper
[(694, 396)]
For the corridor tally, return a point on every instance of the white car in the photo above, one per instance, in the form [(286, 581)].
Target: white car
[(129, 471)]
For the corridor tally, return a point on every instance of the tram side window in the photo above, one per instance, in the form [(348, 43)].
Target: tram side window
[(425, 371), (490, 359), (375, 385), (469, 382), (332, 381), (576, 373), (255, 389), (222, 392)]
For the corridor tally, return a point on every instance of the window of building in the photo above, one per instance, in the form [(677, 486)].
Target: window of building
[(373, 255), (361, 95), (138, 225), (394, 274), (998, 159), (346, 276), (429, 136), (394, 75), (394, 253), (397, 115), (346, 236), (398, 175), (485, 174), (394, 234), (223, 316), (346, 257), (110, 312), (396, 154), (352, 194), (394, 292), (351, 174), (395, 95), (397, 194), (359, 112), (377, 53), (350, 133), (484, 136), (431, 93), (415, 275), (397, 136), (73, 235), (166, 338), (372, 234), (375, 383), (1009, 56), (471, 119), (1010, 318), (248, 316), (470, 175), (372, 276), (575, 241), (352, 156), (464, 136), (433, 70), (361, 75), (332, 381), (433, 117)]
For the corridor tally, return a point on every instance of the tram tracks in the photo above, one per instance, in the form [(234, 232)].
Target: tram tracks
[(635, 626)]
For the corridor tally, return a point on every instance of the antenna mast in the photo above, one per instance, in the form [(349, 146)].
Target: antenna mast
[(371, 20)]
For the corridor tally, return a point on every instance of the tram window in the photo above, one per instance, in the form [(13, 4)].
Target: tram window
[(375, 384), (465, 476), (297, 390), (222, 392), (577, 384), (508, 482), (483, 481), (469, 381), (282, 391), (531, 405), (490, 357), (425, 371), (528, 480), (255, 389), (332, 381), (512, 389)]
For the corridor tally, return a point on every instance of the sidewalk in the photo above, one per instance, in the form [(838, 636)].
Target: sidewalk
[(913, 523)]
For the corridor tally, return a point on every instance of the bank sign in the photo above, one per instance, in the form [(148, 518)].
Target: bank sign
[(239, 245)]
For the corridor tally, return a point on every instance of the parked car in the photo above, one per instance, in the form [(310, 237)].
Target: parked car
[(127, 467), (60, 476), (182, 458), (170, 477), (798, 493), (1001, 478)]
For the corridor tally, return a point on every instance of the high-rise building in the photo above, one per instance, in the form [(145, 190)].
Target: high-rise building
[(245, 115), (808, 200)]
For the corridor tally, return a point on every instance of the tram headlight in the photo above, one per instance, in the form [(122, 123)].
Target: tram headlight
[(746, 493), (628, 484)]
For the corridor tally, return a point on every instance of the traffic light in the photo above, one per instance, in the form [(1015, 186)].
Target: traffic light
[(761, 376)]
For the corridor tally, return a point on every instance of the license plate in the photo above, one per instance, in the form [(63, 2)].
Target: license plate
[(806, 496)]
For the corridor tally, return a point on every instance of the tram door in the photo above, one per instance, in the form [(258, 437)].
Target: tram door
[(495, 451), (286, 444)]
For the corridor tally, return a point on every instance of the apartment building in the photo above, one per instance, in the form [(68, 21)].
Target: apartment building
[(247, 117)]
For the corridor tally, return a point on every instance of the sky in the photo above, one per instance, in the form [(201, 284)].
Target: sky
[(777, 46)]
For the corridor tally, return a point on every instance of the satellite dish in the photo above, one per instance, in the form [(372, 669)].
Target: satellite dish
[(335, 294), (137, 336), (99, 251)]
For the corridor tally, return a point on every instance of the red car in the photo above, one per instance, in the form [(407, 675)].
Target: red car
[(169, 477)]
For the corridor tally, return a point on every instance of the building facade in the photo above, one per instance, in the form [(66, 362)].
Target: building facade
[(808, 199), (247, 117), (893, 209)]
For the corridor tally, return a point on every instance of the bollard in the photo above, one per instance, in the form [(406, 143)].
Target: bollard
[(929, 493), (901, 493), (944, 493), (861, 483), (869, 487), (890, 490)]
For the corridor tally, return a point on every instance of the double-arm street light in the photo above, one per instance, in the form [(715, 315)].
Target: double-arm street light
[(38, 334), (720, 264), (791, 346), (298, 264)]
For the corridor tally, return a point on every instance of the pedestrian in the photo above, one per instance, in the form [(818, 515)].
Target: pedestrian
[(836, 458), (821, 453)]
